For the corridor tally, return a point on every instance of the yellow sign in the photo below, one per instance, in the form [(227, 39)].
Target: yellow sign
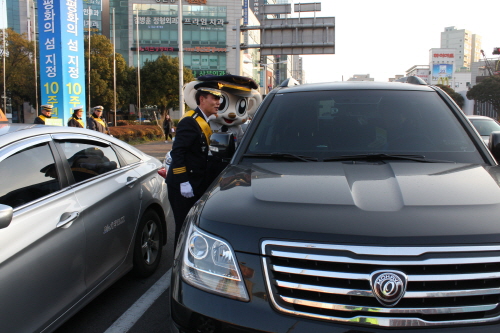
[(54, 122)]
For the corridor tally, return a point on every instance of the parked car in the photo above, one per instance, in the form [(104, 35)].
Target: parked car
[(383, 216), (78, 210), (485, 126)]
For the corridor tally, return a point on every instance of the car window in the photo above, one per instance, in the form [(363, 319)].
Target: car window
[(485, 126), (28, 175), (88, 159), (127, 156), (331, 123)]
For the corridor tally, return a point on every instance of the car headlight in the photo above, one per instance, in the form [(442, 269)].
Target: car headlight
[(209, 263)]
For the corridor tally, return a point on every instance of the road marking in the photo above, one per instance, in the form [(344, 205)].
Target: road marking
[(132, 315)]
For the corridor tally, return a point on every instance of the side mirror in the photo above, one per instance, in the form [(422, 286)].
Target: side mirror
[(494, 145), (222, 145), (6, 213)]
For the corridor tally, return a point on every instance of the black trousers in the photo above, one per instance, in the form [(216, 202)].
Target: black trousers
[(180, 207)]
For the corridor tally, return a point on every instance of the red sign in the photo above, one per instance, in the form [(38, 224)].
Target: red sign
[(444, 55)]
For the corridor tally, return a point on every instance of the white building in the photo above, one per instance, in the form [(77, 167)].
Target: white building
[(442, 66), (466, 44), (361, 77), (422, 71)]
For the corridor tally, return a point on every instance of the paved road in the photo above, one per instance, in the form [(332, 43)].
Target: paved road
[(157, 149)]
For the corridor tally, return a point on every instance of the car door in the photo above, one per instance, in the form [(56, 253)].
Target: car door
[(110, 199), (42, 250)]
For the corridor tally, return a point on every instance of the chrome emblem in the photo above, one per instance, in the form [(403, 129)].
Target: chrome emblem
[(388, 286)]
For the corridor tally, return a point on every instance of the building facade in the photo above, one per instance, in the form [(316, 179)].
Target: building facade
[(466, 44), (422, 71)]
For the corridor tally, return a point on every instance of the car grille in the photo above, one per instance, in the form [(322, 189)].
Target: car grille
[(445, 285)]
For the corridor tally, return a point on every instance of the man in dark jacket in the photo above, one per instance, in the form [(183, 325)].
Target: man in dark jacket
[(95, 121), (46, 114), (186, 177), (76, 119)]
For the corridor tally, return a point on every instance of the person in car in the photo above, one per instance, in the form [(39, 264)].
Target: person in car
[(46, 113), (76, 119), (96, 122), (186, 177)]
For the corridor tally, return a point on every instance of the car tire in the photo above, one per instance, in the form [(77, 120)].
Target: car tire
[(148, 245)]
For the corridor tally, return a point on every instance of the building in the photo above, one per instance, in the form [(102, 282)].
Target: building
[(442, 65), (361, 77), (422, 71), (466, 44)]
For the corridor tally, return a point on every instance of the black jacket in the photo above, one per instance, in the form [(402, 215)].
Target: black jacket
[(93, 123), (189, 154), (40, 120), (75, 122)]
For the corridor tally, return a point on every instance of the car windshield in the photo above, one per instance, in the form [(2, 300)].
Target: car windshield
[(329, 124), (485, 126)]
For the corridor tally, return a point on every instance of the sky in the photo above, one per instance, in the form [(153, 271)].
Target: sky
[(385, 38)]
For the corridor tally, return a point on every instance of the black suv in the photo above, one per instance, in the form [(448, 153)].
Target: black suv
[(347, 207)]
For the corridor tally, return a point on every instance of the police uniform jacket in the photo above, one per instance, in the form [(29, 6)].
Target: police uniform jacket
[(40, 120), (190, 152), (75, 122), (97, 124)]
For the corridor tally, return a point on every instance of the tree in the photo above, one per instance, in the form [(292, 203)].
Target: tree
[(20, 74), (160, 82), (101, 74), (459, 99), (488, 91)]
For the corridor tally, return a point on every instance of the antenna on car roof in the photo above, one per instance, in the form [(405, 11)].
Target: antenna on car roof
[(412, 80), (290, 82)]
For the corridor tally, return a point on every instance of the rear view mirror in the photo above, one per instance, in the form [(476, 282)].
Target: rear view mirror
[(5, 216), (494, 145), (222, 145)]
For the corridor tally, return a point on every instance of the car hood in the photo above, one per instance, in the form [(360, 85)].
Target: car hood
[(386, 203)]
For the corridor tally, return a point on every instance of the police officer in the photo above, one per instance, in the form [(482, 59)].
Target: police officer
[(186, 177), (46, 114), (76, 118), (95, 121)]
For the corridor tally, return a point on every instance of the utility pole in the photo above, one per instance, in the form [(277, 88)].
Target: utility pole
[(181, 63), (114, 65)]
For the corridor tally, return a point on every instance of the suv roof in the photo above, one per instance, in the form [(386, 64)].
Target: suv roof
[(346, 85)]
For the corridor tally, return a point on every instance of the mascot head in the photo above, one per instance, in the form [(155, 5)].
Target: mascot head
[(239, 101)]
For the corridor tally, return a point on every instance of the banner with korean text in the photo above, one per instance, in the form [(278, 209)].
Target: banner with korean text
[(62, 63)]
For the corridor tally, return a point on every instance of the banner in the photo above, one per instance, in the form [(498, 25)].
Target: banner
[(62, 63)]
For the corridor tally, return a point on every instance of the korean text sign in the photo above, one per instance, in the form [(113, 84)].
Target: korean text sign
[(62, 63)]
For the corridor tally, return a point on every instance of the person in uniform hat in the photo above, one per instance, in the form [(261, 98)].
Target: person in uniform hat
[(46, 114), (95, 121), (76, 118), (186, 177)]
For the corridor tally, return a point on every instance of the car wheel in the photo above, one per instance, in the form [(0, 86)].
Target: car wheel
[(148, 245)]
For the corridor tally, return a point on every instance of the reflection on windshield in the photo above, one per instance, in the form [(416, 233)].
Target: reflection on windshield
[(333, 123)]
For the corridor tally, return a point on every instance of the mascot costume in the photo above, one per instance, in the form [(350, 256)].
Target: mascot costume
[(239, 101)]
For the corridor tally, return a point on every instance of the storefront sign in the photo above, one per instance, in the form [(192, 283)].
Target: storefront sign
[(159, 20), (198, 73), (444, 55), (245, 12), (191, 2), (198, 49)]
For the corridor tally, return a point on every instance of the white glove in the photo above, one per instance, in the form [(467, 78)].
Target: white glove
[(187, 190)]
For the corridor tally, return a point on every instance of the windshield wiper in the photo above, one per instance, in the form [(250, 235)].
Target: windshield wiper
[(280, 156), (369, 157)]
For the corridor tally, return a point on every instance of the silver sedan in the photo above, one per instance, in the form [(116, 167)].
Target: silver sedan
[(78, 210)]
